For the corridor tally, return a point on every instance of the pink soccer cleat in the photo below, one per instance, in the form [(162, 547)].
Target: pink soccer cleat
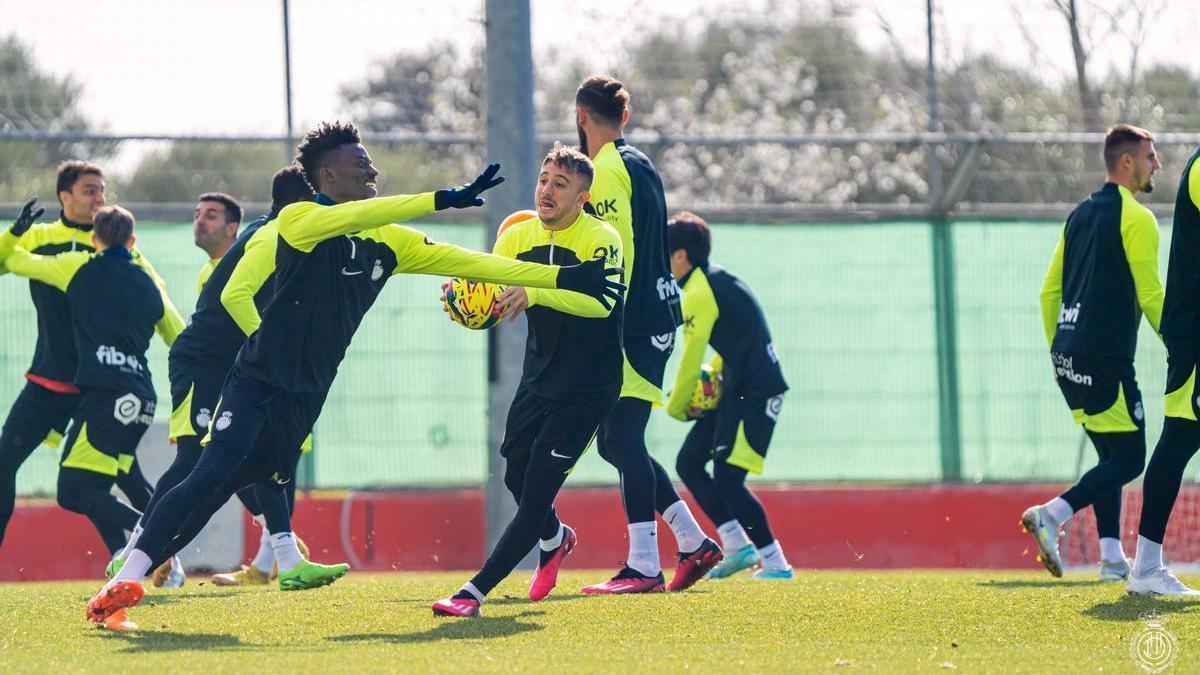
[(628, 580), (693, 566), (453, 606), (546, 576)]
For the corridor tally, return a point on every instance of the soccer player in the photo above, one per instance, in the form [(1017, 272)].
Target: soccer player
[(719, 310), (333, 258), (628, 194), (1103, 276), (50, 397), (215, 229), (1180, 328), (569, 383), (116, 306)]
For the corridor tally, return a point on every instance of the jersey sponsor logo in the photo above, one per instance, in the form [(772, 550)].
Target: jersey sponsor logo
[(774, 405), (223, 421), (664, 342), (605, 253), (1064, 367), (127, 408), (667, 288), (1067, 316), (111, 356), (377, 270), (203, 418), (605, 207)]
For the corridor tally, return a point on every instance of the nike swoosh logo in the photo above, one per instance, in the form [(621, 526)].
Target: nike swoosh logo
[(554, 453), (349, 273)]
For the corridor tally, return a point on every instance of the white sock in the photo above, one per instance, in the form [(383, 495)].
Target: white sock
[(643, 548), (1110, 550), (132, 543), (688, 535), (1059, 510), (1148, 556), (137, 564), (265, 558), (286, 553), (552, 543), (732, 535), (771, 557), (470, 588)]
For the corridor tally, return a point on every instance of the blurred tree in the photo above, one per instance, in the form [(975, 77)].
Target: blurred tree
[(184, 170), (31, 100)]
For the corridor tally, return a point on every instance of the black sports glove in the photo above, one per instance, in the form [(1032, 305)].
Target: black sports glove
[(593, 278), (25, 219), (468, 195)]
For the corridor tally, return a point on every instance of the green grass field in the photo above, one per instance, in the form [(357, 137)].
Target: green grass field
[(824, 621)]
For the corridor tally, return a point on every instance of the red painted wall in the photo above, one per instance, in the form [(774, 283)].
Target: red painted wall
[(820, 526)]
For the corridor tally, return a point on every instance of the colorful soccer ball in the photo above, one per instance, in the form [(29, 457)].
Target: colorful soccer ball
[(473, 303), (707, 395), (514, 218)]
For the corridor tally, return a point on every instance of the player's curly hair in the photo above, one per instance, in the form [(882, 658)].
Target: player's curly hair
[(288, 186), (318, 143)]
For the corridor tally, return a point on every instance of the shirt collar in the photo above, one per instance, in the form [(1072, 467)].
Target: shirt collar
[(324, 200), (85, 227), (119, 252)]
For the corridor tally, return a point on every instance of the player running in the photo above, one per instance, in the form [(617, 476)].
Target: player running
[(718, 309), (1102, 277), (1180, 328), (628, 194), (334, 257), (569, 383), (49, 399), (116, 306)]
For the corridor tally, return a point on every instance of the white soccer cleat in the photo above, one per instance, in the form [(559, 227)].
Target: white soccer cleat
[(1115, 571), (1158, 582), (1034, 521)]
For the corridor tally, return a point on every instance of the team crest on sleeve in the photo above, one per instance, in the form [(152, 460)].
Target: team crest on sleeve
[(377, 270)]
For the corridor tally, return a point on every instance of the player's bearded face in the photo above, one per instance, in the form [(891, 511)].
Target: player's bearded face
[(558, 196), (1145, 166), (84, 199), (579, 128)]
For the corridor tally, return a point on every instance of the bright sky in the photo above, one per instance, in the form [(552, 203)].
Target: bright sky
[(216, 67)]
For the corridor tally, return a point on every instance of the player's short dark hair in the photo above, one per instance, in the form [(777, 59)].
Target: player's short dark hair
[(233, 209), (688, 231), (573, 161), (318, 143), (71, 170), (288, 186), (604, 97), (113, 226), (1121, 139)]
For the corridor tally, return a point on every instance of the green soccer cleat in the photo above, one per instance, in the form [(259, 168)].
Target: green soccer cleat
[(773, 575), (114, 566), (308, 575), (743, 558), (1035, 522)]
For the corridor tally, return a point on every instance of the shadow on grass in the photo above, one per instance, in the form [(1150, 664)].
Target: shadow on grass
[(1040, 583), (151, 641), (181, 596), (1137, 607), (478, 628)]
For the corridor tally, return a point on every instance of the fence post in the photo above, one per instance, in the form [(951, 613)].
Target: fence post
[(943, 279)]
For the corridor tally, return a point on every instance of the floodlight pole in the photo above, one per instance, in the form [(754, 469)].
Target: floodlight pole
[(512, 141), (289, 141), (942, 238)]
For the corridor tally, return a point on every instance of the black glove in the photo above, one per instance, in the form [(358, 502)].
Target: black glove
[(25, 219), (592, 278), (468, 195)]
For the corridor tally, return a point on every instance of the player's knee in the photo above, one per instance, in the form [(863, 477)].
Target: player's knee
[(73, 494), (688, 469), (728, 478)]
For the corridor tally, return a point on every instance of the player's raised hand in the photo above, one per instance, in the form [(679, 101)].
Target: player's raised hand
[(466, 196), (593, 278), (26, 217)]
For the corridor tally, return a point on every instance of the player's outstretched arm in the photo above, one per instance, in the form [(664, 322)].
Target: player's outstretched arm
[(251, 272), (699, 316), (608, 245), (55, 270), (1051, 296), (418, 254), (303, 225)]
